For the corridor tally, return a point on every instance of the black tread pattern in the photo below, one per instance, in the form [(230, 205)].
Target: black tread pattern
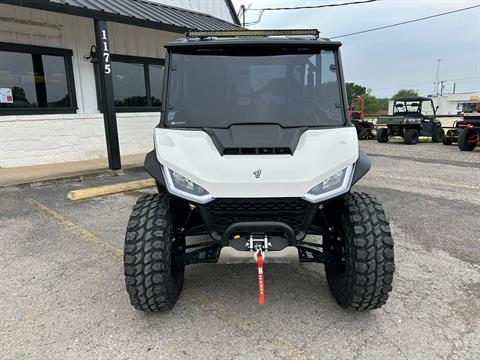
[(447, 140), (147, 256), (382, 135), (463, 138), (369, 275), (365, 134), (411, 136), (438, 135)]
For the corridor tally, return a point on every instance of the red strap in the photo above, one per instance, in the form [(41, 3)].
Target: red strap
[(261, 285)]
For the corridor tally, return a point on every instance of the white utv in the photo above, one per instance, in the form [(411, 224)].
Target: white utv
[(255, 151)]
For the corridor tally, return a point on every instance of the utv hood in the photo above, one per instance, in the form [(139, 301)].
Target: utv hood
[(320, 153)]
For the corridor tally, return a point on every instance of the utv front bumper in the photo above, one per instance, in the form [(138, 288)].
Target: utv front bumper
[(226, 217), (240, 226), (231, 221)]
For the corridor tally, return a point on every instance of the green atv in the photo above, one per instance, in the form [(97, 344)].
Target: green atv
[(412, 117)]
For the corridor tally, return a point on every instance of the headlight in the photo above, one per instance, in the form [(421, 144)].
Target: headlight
[(335, 185), (185, 188)]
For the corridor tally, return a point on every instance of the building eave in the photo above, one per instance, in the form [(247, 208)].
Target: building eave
[(179, 21)]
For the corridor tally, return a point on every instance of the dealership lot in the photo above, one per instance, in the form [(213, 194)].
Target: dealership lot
[(62, 291)]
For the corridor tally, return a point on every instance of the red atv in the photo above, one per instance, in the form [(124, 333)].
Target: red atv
[(465, 132), (356, 114)]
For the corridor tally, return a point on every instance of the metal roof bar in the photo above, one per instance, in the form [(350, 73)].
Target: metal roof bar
[(252, 33)]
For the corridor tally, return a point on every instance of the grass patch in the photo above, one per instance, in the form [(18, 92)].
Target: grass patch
[(421, 139)]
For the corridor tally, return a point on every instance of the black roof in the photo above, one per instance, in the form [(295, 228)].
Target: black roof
[(260, 41), (414, 98), (134, 12)]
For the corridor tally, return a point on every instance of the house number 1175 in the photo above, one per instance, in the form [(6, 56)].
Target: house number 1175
[(106, 53)]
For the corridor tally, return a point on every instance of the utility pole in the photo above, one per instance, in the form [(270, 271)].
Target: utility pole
[(442, 87), (437, 77), (243, 9), (454, 86)]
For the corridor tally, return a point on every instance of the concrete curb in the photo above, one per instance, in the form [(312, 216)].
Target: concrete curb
[(74, 175)]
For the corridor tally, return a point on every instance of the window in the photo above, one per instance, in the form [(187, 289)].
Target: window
[(35, 80), (137, 83), (129, 84), (156, 83), (427, 108), (286, 86), (467, 107)]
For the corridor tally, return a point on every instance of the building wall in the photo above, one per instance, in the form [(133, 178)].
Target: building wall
[(42, 139), (447, 105), (38, 139)]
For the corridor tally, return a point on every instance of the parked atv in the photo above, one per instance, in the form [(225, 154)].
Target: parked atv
[(412, 117), (466, 132), (365, 129), (255, 151)]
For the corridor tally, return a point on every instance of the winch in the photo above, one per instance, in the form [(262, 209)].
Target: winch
[(258, 243)]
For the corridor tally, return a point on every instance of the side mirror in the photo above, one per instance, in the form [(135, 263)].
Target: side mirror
[(436, 107)]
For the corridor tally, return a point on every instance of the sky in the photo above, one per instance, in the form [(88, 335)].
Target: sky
[(400, 57)]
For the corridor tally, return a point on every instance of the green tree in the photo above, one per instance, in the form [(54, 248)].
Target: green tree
[(372, 104), (354, 90), (405, 93)]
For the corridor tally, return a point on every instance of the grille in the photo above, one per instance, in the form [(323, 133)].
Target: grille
[(257, 151), (224, 212)]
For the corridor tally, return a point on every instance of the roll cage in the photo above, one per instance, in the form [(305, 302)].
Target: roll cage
[(413, 105)]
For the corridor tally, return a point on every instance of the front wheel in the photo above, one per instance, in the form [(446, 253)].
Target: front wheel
[(438, 135), (447, 140), (153, 266), (365, 134), (382, 135), (360, 262), (411, 136)]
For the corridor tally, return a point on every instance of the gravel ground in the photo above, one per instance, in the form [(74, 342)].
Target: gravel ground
[(62, 293), (424, 152)]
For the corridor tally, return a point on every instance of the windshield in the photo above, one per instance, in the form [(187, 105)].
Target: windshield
[(292, 88), (406, 107)]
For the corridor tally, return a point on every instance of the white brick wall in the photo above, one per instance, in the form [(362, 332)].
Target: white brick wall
[(44, 139)]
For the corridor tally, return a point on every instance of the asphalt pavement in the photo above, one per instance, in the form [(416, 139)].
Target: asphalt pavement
[(62, 292)]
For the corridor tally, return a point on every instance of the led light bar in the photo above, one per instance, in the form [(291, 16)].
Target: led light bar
[(252, 33)]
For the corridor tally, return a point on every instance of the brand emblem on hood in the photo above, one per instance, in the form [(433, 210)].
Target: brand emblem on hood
[(257, 173)]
